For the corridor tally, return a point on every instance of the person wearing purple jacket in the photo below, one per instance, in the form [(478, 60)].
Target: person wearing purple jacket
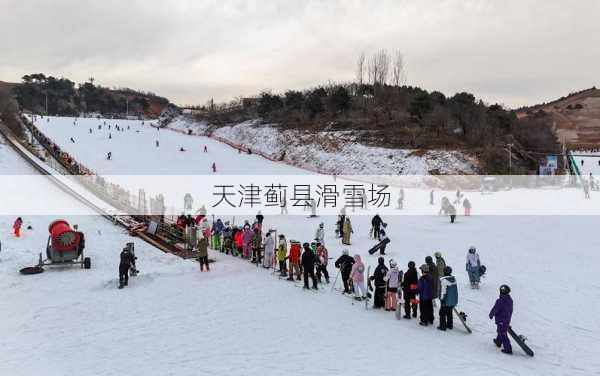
[(502, 312), (425, 289)]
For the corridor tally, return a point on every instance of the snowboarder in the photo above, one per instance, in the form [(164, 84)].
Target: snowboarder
[(345, 263), (188, 201), (202, 247), (448, 299), (320, 234), (378, 278), (435, 276), (322, 260), (409, 288), (282, 255), (157, 143), (205, 149), (269, 250), (308, 266), (458, 196), (358, 278), (473, 267), (214, 167), (383, 237), (347, 231), (393, 278), (467, 206), (425, 289), (376, 226), (502, 312), (451, 210), (17, 227), (109, 156), (126, 261)]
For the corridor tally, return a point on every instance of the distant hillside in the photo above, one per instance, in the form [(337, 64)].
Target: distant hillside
[(575, 118), (60, 96)]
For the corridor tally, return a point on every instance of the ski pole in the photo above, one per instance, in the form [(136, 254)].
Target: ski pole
[(335, 279)]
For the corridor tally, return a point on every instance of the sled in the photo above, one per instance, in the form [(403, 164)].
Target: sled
[(520, 340)]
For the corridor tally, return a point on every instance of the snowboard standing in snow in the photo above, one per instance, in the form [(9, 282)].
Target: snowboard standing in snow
[(379, 245), (462, 317), (520, 340)]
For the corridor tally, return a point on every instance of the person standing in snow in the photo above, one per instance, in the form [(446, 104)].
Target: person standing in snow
[(256, 245), (502, 312), (345, 263), (294, 261), (217, 229), (157, 143), (393, 278), (382, 236), (109, 156), (282, 255), (322, 260), (283, 204), (586, 188), (247, 239), (376, 226), (126, 261), (425, 289), (467, 207), (205, 149), (451, 210), (440, 263), (308, 266), (458, 196), (401, 199), (269, 250), (431, 197), (378, 278), (448, 299), (358, 278), (347, 231), (410, 289), (227, 238), (473, 267), (203, 253), (214, 167), (435, 276), (313, 208), (188, 201), (17, 227), (320, 234)]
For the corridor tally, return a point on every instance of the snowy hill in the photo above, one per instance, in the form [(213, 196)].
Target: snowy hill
[(243, 320), (333, 152)]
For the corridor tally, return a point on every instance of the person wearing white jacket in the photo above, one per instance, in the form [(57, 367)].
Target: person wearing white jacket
[(320, 234), (473, 267), (393, 279), (269, 251)]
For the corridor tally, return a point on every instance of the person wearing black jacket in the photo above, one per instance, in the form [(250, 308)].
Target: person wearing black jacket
[(376, 225), (308, 266), (378, 278), (127, 259), (409, 287), (344, 263), (435, 276)]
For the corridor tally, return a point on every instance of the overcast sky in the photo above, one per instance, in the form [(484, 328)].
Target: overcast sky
[(513, 52)]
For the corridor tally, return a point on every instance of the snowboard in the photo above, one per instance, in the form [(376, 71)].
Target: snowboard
[(520, 340), (379, 245), (462, 317)]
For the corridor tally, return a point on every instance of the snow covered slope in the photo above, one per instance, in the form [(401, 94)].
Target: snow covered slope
[(240, 320)]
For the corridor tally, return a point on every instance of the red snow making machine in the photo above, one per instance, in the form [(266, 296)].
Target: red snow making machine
[(65, 246)]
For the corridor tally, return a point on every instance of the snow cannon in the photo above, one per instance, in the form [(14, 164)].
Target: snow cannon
[(65, 246)]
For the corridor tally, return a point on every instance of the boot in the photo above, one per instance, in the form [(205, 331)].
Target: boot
[(497, 343)]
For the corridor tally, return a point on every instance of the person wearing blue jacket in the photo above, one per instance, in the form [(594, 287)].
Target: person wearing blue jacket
[(502, 312), (448, 299), (425, 289)]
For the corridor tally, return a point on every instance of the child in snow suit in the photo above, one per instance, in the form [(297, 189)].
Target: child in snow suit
[(425, 289), (358, 278), (473, 266), (448, 298), (345, 263), (393, 279), (322, 259), (409, 288), (308, 266), (502, 312), (203, 253), (282, 255), (379, 278), (17, 227)]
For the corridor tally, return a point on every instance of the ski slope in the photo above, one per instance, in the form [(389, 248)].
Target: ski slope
[(590, 162), (242, 320)]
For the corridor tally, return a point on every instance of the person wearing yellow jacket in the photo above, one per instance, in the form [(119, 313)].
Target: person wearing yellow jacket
[(282, 255)]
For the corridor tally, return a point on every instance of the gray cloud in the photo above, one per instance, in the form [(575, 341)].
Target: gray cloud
[(512, 52)]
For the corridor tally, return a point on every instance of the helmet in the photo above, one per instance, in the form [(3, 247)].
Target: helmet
[(504, 290), (393, 263), (428, 259), (437, 254), (472, 249), (381, 261), (305, 245), (411, 264), (321, 225), (447, 271), (345, 252), (424, 268)]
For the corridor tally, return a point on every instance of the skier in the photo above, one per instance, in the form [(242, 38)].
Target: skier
[(435, 276), (269, 251), (448, 299), (308, 266), (378, 278), (202, 247), (425, 289), (322, 260), (256, 244), (393, 278), (320, 234), (17, 227), (126, 261), (467, 206), (282, 255), (502, 312), (214, 167), (473, 267), (409, 288), (347, 231), (358, 278), (294, 260), (205, 149), (157, 143), (345, 263), (109, 156), (376, 226)]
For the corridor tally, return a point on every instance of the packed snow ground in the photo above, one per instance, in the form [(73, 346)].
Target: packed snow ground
[(590, 164), (241, 320)]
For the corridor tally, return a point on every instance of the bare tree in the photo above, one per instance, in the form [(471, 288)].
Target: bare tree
[(360, 69), (398, 69), (378, 67)]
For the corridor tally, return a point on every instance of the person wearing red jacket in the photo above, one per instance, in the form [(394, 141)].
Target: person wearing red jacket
[(17, 227), (294, 258)]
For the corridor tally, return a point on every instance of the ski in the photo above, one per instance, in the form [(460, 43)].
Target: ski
[(462, 317), (520, 340)]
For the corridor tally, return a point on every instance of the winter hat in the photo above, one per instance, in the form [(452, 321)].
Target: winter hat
[(472, 249), (393, 263), (226, 223), (447, 271), (381, 261), (437, 254), (428, 260), (411, 264), (504, 290), (281, 236), (345, 252), (321, 225), (305, 245), (424, 268)]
